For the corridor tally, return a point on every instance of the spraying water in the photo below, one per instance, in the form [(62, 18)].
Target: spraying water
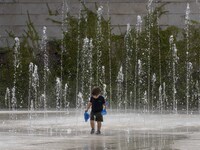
[(139, 85), (66, 102), (153, 80), (80, 103), (99, 42), (138, 31), (46, 68), (33, 90), (30, 85), (131, 99), (120, 80), (104, 91), (149, 6), (103, 80), (46, 60), (159, 48), (13, 102), (145, 102), (58, 94), (150, 10), (198, 95), (64, 15), (7, 98), (164, 99), (173, 50), (188, 76), (128, 43), (35, 85), (188, 64), (86, 66), (110, 58), (16, 66), (78, 55), (160, 100), (90, 65)]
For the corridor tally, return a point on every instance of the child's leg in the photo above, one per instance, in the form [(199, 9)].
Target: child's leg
[(99, 125), (92, 120), (92, 124), (99, 119)]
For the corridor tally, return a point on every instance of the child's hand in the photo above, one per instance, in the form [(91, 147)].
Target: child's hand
[(104, 112)]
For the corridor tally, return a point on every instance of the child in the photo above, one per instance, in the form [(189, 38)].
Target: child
[(97, 102)]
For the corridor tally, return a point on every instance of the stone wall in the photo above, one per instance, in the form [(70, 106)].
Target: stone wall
[(13, 14)]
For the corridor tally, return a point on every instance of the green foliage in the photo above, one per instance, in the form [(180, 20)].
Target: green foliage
[(152, 42)]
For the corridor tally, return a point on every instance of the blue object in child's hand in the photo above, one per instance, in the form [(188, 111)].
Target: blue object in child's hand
[(104, 112), (86, 116)]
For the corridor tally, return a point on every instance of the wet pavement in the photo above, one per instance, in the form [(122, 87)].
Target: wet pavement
[(38, 130)]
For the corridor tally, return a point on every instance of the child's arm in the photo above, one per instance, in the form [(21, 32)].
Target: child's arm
[(88, 106), (104, 106)]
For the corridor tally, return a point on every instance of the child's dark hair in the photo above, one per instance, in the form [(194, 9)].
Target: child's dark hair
[(96, 91)]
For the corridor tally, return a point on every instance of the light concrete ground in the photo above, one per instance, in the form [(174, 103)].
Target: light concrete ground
[(52, 130)]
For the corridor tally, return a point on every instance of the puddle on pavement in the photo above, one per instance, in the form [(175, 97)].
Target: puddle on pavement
[(70, 133)]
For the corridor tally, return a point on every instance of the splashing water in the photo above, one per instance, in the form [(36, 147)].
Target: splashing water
[(138, 29), (120, 80), (35, 85), (64, 28), (153, 92), (16, 66), (98, 48), (138, 104), (86, 68), (160, 99), (187, 16), (173, 50), (7, 98), (188, 64), (149, 6), (58, 94), (128, 41), (66, 103), (100, 11), (139, 24), (188, 76), (30, 85), (80, 103), (104, 91), (84, 63), (46, 68)]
